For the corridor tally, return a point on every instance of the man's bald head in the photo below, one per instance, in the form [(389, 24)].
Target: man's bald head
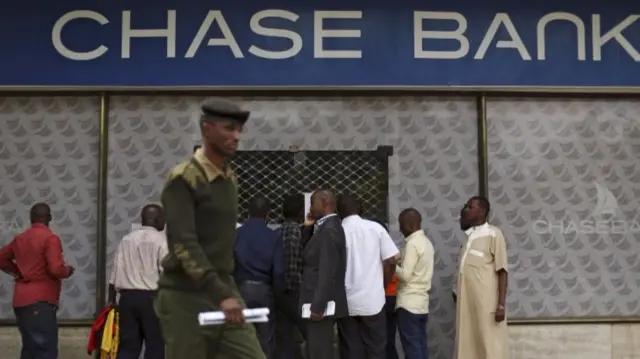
[(325, 195), (40, 213), (152, 216), (410, 221), (323, 202)]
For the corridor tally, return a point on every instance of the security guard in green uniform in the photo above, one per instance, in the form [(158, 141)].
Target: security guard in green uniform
[(200, 201)]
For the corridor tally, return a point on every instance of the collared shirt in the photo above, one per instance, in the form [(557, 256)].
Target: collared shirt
[(258, 254), (321, 221), (291, 236), (368, 245), (137, 263), (415, 274), (212, 171), (35, 258)]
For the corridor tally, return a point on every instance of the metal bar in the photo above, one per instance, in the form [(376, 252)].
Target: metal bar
[(483, 161), (383, 153), (61, 322), (332, 91), (574, 320), (103, 168)]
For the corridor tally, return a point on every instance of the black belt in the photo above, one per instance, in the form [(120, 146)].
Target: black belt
[(136, 291), (256, 282)]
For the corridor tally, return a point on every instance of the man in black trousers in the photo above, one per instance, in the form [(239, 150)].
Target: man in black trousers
[(259, 260), (324, 268), (134, 276), (288, 315)]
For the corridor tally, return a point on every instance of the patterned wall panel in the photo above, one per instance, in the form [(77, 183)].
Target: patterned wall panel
[(434, 167), (49, 153), (564, 180)]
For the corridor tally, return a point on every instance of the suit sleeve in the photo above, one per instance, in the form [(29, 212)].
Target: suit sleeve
[(327, 271), (179, 209), (306, 233), (278, 264)]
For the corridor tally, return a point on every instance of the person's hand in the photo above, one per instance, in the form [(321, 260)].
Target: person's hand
[(398, 258), (232, 311), (309, 221), (315, 317), (500, 313)]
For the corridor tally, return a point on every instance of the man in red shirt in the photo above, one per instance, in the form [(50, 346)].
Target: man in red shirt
[(34, 259)]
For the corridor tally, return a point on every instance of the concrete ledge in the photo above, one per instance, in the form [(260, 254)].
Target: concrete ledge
[(557, 341), (575, 341), (72, 343)]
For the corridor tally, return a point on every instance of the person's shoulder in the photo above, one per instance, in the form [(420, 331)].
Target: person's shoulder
[(375, 226), (132, 236), (425, 242), (186, 171), (497, 232), (42, 232), (159, 236)]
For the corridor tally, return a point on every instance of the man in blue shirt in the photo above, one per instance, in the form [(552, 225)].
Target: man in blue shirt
[(259, 268)]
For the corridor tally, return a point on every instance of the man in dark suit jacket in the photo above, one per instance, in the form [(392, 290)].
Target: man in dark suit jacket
[(323, 271)]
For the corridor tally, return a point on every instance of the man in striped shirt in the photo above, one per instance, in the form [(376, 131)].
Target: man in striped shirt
[(134, 277)]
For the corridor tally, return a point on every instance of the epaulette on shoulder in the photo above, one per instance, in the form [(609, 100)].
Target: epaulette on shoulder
[(187, 171)]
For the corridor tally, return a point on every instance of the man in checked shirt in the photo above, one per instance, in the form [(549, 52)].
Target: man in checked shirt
[(288, 315)]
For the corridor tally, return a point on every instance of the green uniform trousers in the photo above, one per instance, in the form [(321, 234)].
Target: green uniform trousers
[(186, 339)]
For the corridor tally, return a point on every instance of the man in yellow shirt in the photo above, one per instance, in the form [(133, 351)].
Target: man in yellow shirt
[(414, 275)]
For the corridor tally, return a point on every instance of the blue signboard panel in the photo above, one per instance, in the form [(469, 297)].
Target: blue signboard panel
[(320, 43)]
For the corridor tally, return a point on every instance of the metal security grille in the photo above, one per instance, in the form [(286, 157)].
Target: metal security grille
[(276, 174)]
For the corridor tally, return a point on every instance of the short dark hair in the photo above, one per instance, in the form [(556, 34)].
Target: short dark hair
[(348, 204), (483, 202), (40, 212), (259, 206), (412, 214), (293, 206), (150, 213)]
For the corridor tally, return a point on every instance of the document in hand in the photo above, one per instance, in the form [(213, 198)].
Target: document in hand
[(258, 315), (331, 310)]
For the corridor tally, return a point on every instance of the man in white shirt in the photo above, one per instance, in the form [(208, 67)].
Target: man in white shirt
[(414, 282), (369, 250), (135, 274)]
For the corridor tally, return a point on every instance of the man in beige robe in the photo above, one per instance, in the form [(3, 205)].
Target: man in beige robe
[(481, 327)]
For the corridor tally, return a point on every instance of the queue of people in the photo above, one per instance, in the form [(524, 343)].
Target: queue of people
[(325, 271)]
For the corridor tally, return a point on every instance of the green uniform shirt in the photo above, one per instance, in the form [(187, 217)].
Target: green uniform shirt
[(201, 210)]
